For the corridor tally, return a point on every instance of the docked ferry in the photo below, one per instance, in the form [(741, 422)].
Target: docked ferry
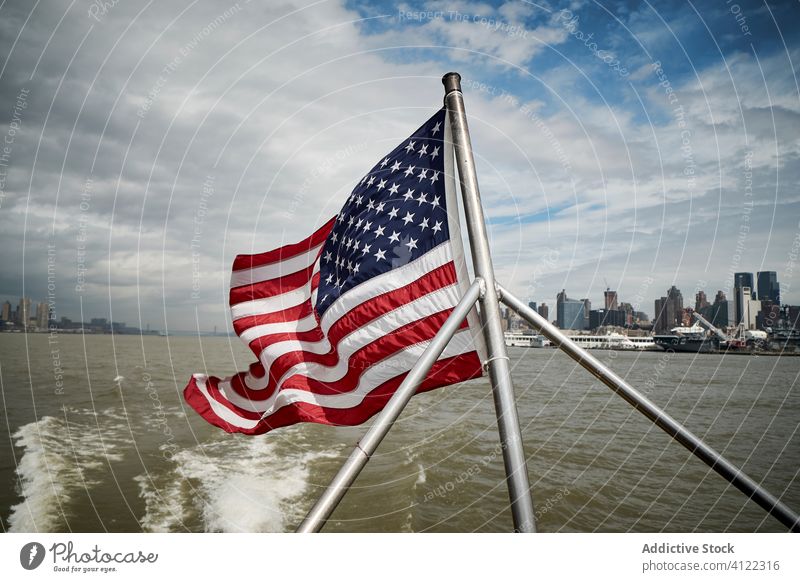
[(525, 340), (614, 341)]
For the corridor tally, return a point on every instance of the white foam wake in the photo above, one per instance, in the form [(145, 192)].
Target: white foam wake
[(58, 458), (231, 485)]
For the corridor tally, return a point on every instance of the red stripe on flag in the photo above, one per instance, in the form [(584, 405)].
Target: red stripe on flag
[(291, 314), (372, 355), (359, 316), (272, 287), (242, 262), (447, 371)]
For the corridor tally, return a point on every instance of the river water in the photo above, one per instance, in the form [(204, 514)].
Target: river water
[(97, 438)]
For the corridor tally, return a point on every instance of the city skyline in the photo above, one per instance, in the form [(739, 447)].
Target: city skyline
[(131, 184), (617, 297), (610, 297)]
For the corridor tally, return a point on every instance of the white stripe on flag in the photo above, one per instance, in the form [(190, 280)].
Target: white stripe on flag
[(291, 265), (420, 308), (400, 362)]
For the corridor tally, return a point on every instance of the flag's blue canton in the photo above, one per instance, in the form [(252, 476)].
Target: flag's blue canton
[(395, 214)]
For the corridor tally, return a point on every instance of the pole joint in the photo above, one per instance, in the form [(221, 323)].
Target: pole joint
[(482, 286)]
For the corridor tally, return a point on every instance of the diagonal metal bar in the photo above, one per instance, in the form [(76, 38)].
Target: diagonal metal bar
[(733, 474), (327, 503)]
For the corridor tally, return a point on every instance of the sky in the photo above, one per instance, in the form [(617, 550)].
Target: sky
[(620, 144)]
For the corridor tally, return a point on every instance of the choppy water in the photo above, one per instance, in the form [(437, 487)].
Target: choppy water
[(126, 455)]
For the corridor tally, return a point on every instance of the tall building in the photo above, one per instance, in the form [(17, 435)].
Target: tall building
[(628, 310), (740, 281), (717, 314), (768, 287), (611, 300), (660, 318), (42, 315), (720, 313), (587, 309), (743, 280), (532, 305), (5, 314), (669, 311), (700, 301), (606, 317), (544, 311), (569, 312), (750, 308), (769, 316), (24, 311)]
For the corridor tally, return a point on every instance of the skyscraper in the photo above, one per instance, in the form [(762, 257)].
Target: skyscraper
[(587, 309), (768, 287), (720, 314), (5, 315), (611, 300), (42, 315), (750, 309), (743, 280), (669, 311), (740, 281), (660, 318), (569, 312), (24, 311), (544, 311), (627, 309), (700, 301)]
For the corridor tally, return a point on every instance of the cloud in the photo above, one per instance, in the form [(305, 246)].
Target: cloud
[(129, 116)]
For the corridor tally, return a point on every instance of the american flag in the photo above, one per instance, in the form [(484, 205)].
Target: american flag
[(338, 319)]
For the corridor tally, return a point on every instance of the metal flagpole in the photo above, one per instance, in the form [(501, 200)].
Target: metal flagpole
[(672, 427), (363, 450), (502, 389)]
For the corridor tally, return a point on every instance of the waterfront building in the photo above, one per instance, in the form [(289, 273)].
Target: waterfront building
[(669, 311), (587, 308), (740, 281), (627, 308), (700, 301), (768, 287), (720, 313), (42, 315), (570, 312), (6, 314), (750, 308), (769, 316), (610, 300), (606, 317), (544, 311), (24, 311)]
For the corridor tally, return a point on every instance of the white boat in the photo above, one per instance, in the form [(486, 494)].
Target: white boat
[(614, 341), (525, 340)]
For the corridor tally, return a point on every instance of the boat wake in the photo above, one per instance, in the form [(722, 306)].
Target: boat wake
[(60, 458), (229, 485)]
